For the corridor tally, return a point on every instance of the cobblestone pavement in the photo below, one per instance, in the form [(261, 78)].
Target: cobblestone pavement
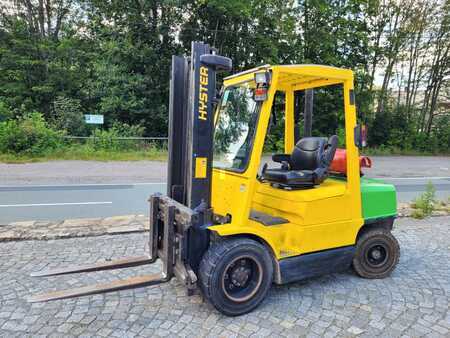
[(413, 302)]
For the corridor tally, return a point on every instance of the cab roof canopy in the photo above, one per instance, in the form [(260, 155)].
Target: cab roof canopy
[(297, 77)]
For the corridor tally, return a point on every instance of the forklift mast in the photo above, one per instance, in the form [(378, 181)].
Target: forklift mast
[(192, 91), (191, 128)]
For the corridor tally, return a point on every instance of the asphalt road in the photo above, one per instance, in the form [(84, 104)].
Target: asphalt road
[(58, 202), (83, 172), (55, 202), (77, 189)]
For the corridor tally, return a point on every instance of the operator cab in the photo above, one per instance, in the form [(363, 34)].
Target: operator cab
[(306, 161)]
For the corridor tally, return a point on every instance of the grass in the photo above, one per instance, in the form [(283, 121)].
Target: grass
[(88, 154), (392, 151), (426, 203)]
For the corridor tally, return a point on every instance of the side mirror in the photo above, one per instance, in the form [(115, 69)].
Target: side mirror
[(361, 136)]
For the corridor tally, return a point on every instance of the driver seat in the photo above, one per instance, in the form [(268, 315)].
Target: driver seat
[(306, 167)]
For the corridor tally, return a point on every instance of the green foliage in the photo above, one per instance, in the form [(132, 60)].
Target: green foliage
[(392, 129), (29, 135), (114, 58), (341, 137), (126, 130), (31, 139), (328, 110), (5, 112), (425, 203), (236, 121), (274, 142), (130, 76), (442, 133), (104, 139), (35, 70), (68, 116), (108, 139), (121, 93)]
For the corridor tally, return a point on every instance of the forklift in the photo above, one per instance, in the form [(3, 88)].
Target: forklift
[(231, 225)]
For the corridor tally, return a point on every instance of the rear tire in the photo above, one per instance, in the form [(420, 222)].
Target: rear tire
[(377, 254), (235, 275)]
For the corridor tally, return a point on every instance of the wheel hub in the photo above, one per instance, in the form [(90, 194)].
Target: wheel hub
[(240, 276), (377, 255)]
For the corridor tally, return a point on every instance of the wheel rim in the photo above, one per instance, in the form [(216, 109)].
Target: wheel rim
[(377, 255), (242, 278)]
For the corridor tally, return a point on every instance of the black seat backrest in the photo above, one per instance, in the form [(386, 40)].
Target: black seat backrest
[(311, 153), (307, 153)]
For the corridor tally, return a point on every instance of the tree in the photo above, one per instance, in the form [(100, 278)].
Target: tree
[(130, 81), (250, 32), (335, 33), (439, 66), (68, 116), (42, 56), (113, 57)]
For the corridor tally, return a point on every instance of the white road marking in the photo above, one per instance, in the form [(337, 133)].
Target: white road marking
[(77, 185), (51, 204)]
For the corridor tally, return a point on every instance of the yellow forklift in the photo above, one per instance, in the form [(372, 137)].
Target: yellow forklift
[(232, 225)]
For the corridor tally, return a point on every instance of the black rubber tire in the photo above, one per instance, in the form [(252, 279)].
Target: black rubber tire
[(212, 269), (370, 239)]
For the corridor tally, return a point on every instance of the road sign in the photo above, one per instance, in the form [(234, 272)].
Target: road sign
[(93, 119)]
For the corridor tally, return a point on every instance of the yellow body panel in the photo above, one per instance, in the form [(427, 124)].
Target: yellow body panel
[(323, 217)]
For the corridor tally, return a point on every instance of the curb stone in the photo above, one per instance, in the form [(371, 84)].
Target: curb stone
[(83, 227)]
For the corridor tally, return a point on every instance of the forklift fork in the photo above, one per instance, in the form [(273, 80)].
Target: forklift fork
[(108, 265), (169, 225)]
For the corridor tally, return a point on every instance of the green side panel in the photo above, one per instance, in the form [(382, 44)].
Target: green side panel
[(379, 199)]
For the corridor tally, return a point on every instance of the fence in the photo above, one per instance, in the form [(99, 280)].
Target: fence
[(117, 138), (107, 142)]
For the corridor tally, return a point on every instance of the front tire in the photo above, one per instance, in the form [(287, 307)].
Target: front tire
[(235, 275), (377, 254)]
